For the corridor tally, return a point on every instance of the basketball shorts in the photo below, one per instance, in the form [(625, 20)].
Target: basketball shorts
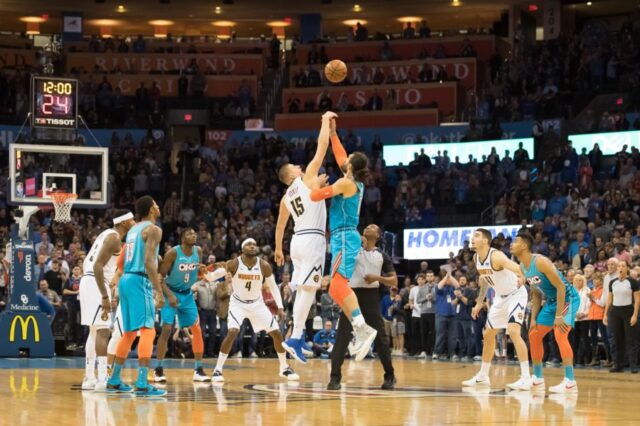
[(508, 309), (186, 310), (397, 328), (345, 246), (307, 254), (91, 303), (136, 302), (256, 312), (547, 314)]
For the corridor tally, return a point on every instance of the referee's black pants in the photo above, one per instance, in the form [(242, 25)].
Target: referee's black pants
[(624, 334), (369, 300)]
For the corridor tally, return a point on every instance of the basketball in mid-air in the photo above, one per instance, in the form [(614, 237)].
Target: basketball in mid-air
[(335, 71)]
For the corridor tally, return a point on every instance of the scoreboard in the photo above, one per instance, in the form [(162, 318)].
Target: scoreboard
[(54, 102)]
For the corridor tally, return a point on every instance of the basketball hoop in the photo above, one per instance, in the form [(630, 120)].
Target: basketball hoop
[(62, 202)]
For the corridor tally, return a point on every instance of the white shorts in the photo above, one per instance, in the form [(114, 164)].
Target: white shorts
[(308, 252), (508, 309), (91, 304), (257, 312)]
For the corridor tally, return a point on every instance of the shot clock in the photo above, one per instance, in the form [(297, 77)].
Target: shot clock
[(54, 102)]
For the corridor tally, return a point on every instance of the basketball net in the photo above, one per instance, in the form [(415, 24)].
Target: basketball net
[(62, 202)]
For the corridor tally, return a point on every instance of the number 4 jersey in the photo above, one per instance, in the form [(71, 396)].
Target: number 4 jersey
[(307, 215), (184, 271), (247, 282)]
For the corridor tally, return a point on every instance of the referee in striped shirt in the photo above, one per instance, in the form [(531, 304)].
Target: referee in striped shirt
[(373, 267)]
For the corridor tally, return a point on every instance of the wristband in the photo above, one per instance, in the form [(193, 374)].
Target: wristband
[(558, 317)]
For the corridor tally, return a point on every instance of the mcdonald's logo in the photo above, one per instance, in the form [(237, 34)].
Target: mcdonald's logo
[(24, 326), (24, 388)]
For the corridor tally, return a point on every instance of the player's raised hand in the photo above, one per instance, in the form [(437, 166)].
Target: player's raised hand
[(279, 255), (329, 115), (320, 181)]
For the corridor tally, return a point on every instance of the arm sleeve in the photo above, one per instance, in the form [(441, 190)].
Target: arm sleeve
[(320, 194), (275, 292), (338, 150)]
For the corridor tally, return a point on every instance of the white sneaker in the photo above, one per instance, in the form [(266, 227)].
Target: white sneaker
[(523, 384), (537, 384), (200, 376), (217, 376), (455, 358), (565, 386), (237, 355), (477, 358), (158, 375), (365, 335), (477, 380), (434, 356), (289, 374), (422, 355), (253, 355), (101, 386), (88, 384)]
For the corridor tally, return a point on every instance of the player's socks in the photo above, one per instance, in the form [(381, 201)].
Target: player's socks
[(568, 372), (524, 370), (537, 370), (282, 357), (89, 368), (484, 369), (115, 374), (160, 363), (102, 368), (304, 300), (357, 320), (197, 364), (221, 359), (142, 381)]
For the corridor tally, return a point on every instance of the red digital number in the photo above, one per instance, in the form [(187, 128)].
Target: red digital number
[(65, 104), (47, 105)]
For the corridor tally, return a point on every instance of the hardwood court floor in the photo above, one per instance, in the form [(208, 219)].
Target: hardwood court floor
[(46, 392)]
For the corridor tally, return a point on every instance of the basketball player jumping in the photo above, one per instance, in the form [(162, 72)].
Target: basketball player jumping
[(309, 243), (344, 216), (249, 273), (180, 266), (136, 289), (558, 312), (506, 312), (95, 297)]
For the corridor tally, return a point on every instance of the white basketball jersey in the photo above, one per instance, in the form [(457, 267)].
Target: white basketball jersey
[(307, 214), (247, 282), (110, 267), (503, 281)]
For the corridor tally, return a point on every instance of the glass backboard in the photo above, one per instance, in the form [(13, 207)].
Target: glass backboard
[(37, 170)]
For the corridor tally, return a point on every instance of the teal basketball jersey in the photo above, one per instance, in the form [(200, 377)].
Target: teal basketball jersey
[(345, 212), (134, 246), (184, 271), (540, 282)]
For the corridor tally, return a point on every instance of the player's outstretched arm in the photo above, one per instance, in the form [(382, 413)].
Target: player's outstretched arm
[(338, 150), (328, 122), (501, 261), (343, 186), (283, 219)]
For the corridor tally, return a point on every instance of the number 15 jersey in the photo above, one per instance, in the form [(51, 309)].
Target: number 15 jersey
[(307, 214)]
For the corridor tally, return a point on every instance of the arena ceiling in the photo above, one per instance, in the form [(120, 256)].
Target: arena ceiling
[(195, 17)]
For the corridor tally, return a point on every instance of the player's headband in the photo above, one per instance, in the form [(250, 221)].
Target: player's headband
[(122, 218), (247, 241)]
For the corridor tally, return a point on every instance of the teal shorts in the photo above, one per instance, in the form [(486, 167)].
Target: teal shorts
[(186, 310), (345, 246), (547, 314), (136, 302)]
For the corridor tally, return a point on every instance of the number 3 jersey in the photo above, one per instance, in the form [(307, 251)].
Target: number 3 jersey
[(307, 215), (247, 282), (503, 282), (184, 271)]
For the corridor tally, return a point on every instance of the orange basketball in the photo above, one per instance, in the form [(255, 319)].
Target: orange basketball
[(335, 71)]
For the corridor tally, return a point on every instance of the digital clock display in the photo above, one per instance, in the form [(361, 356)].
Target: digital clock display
[(54, 102)]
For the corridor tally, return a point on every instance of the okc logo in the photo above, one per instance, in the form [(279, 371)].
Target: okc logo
[(24, 299), (187, 267), (535, 280)]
